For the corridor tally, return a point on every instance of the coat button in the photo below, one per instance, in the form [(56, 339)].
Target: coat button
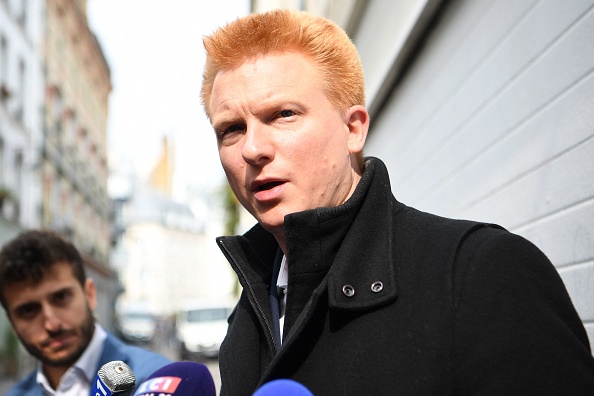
[(348, 290), (377, 287)]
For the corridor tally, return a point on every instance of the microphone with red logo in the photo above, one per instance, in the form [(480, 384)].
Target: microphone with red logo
[(179, 379), (282, 387), (114, 378)]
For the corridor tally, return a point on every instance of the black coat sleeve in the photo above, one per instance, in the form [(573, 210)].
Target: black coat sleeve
[(516, 329)]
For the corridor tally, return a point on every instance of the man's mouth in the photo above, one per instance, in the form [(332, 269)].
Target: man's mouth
[(268, 190), (58, 340), (268, 186)]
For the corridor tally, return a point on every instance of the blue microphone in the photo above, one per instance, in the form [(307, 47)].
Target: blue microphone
[(282, 387), (114, 378), (179, 379)]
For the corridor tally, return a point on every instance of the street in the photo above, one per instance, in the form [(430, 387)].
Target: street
[(165, 345)]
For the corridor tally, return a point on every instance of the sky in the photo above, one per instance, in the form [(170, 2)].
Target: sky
[(155, 53)]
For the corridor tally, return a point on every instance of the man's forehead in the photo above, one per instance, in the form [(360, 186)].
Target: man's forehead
[(273, 78), (59, 276)]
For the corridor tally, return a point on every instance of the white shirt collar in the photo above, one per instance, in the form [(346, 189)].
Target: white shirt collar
[(281, 287), (283, 274), (90, 358), (85, 365)]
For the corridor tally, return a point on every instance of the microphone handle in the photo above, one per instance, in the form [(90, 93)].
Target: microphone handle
[(99, 388)]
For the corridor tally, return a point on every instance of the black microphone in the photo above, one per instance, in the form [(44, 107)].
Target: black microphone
[(179, 379), (282, 387), (114, 378)]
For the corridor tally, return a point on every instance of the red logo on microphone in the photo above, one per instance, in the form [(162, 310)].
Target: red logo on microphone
[(159, 384)]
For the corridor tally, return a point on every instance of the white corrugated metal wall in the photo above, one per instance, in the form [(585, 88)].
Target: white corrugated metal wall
[(492, 119)]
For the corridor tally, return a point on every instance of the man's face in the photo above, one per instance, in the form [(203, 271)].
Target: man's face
[(282, 144), (53, 318)]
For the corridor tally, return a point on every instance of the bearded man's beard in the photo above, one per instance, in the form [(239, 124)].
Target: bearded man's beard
[(86, 333)]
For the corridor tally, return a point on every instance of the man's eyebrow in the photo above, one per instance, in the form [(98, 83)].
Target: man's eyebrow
[(224, 120), (62, 290)]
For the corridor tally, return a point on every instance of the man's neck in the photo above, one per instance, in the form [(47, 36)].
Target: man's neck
[(54, 374), (279, 235)]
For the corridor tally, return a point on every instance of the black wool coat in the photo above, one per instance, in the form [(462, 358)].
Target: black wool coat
[(387, 300)]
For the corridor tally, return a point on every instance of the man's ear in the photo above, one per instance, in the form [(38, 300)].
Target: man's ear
[(357, 119), (90, 293)]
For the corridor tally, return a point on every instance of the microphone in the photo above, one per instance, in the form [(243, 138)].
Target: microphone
[(179, 379), (114, 378), (282, 387)]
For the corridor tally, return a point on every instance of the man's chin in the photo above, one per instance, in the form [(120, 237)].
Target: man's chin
[(273, 227), (272, 220), (56, 360), (65, 357)]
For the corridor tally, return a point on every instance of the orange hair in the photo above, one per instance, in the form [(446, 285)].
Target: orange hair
[(279, 31)]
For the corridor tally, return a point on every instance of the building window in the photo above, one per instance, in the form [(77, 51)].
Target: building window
[(22, 13), (3, 63), (18, 168), (71, 126), (57, 108), (2, 178), (22, 89)]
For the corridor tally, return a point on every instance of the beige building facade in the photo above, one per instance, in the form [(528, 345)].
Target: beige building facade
[(75, 170), (75, 200)]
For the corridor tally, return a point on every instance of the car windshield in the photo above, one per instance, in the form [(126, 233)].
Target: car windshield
[(207, 315), (139, 316)]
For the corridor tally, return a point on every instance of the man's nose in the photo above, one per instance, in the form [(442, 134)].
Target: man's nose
[(51, 320), (258, 147)]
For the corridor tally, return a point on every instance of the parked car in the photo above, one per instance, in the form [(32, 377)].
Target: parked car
[(137, 326), (200, 329)]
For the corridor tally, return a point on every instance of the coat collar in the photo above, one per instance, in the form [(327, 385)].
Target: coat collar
[(353, 242)]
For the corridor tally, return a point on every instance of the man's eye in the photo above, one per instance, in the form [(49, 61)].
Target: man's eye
[(286, 113), (234, 128), (62, 297), (222, 132), (27, 311)]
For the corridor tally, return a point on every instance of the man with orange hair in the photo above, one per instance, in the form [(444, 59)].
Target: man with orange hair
[(345, 289)]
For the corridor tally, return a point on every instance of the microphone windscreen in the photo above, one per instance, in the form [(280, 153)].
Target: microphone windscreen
[(114, 378), (179, 379), (284, 387)]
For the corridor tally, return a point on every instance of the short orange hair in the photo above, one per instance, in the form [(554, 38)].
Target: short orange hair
[(280, 31)]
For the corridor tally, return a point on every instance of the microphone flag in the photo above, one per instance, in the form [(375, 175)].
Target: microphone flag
[(179, 379)]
